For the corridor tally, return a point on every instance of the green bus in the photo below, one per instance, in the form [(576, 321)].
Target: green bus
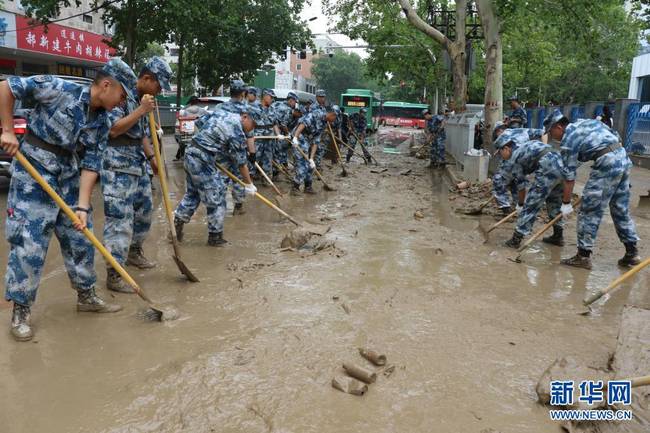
[(354, 100), (398, 113)]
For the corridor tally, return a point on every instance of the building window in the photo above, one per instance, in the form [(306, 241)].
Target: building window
[(88, 18), (298, 67)]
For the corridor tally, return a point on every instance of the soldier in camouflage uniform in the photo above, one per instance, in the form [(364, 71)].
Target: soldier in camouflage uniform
[(608, 184), (222, 139), (266, 125), (358, 126), (518, 118), (309, 126), (236, 105), (319, 106), (66, 115), (500, 187), (437, 154), (125, 182), (284, 119), (521, 160)]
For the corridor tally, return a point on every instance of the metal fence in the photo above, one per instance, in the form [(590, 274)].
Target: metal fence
[(637, 137)]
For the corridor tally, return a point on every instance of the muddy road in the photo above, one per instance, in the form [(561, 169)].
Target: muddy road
[(261, 336)]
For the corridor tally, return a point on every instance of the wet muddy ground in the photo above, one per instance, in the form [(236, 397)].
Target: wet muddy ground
[(262, 335)]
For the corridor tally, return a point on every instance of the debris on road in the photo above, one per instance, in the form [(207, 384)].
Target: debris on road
[(372, 356), (349, 385), (360, 373)]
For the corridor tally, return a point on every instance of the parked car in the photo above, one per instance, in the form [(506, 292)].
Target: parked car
[(22, 108), (184, 127)]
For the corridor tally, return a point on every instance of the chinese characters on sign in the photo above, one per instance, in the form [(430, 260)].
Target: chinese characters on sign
[(60, 40)]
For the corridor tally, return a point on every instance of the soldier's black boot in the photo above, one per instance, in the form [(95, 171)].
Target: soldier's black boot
[(216, 239), (515, 240), (238, 209), (88, 301), (309, 189), (631, 257), (557, 238), (295, 189), (137, 258), (21, 327), (116, 283), (581, 260), (505, 211)]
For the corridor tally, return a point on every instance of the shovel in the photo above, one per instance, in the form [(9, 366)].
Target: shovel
[(541, 232), (344, 173), (363, 147), (477, 210), (283, 170), (599, 294), (312, 228), (279, 198), (155, 312), (497, 224), (304, 155), (168, 207)]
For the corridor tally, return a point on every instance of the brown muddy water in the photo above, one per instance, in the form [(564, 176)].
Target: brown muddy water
[(262, 335)]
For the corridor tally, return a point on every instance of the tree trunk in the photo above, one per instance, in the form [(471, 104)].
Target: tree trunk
[(131, 33), (179, 70), (458, 55), (493, 69)]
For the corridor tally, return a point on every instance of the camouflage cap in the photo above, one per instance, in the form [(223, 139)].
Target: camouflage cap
[(550, 120), (363, 110), (320, 92), (269, 92), (162, 71), (237, 85), (252, 90), (121, 72), (336, 108), (292, 95), (503, 140), (498, 126), (426, 111)]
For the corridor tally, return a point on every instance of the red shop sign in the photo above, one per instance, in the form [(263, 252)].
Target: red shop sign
[(62, 41)]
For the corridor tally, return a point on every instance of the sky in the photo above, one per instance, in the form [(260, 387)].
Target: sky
[(321, 23)]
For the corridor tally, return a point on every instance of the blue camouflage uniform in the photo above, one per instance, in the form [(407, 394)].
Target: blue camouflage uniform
[(358, 123), (124, 174), (437, 127), (547, 187), (318, 109), (232, 106), (264, 127), (221, 139), (518, 118), (314, 125), (61, 121), (609, 180), (500, 187), (283, 114)]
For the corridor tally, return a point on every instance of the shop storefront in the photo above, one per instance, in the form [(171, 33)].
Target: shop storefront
[(26, 49)]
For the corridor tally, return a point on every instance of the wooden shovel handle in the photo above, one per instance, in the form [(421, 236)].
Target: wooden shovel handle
[(546, 227), (162, 175), (73, 217), (258, 195), (503, 220), (599, 294), (268, 179), (304, 155), (334, 143)]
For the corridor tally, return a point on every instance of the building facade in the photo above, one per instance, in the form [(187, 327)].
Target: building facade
[(76, 46)]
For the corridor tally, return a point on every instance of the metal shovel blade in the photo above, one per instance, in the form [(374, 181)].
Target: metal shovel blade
[(317, 229)]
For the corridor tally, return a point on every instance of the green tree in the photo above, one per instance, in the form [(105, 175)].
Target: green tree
[(338, 72)]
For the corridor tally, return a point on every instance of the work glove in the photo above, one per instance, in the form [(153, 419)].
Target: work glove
[(251, 158), (250, 189), (312, 164), (160, 134), (566, 209), (282, 137), (295, 143), (519, 208)]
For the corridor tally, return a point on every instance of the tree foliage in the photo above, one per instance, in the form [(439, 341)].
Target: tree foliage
[(339, 72), (219, 38)]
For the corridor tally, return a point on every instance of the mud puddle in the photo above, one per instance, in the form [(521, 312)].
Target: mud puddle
[(263, 334)]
